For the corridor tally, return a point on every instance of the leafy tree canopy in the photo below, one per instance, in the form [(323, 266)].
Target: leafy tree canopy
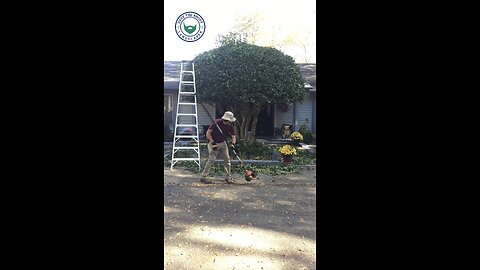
[(245, 78)]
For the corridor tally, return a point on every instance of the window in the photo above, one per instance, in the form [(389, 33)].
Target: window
[(168, 111)]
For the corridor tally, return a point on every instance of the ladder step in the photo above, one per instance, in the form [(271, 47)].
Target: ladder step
[(186, 136), (185, 147), (186, 125), (184, 103), (186, 159), (187, 114), (187, 82), (188, 71), (187, 93)]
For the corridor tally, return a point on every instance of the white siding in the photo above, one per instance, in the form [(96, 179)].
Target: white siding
[(304, 111), (282, 117)]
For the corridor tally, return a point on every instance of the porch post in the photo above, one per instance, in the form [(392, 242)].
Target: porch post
[(294, 116)]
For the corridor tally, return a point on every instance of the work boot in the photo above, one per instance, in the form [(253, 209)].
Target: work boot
[(229, 180), (205, 180)]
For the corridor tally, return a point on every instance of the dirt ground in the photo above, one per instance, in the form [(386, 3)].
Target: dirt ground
[(268, 223)]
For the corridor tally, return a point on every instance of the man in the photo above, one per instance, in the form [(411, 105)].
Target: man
[(217, 143)]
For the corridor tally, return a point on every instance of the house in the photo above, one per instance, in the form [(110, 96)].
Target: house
[(271, 118), (171, 78)]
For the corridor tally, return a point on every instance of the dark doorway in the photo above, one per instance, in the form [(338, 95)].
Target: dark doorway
[(265, 122)]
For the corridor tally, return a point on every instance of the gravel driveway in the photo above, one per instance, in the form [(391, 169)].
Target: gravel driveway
[(268, 223)]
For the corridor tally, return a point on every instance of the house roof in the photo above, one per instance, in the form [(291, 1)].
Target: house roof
[(171, 74), (171, 71), (309, 74)]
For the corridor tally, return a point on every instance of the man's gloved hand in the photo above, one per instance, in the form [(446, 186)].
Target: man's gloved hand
[(232, 145)]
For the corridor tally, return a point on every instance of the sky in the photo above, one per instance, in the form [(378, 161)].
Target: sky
[(279, 19)]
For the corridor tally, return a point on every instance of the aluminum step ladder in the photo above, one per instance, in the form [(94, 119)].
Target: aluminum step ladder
[(186, 143)]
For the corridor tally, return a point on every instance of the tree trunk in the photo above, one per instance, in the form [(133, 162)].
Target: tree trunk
[(239, 115), (255, 112), (238, 124), (244, 123), (248, 121)]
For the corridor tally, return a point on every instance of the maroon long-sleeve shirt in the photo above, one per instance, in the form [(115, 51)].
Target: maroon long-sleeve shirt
[(228, 130)]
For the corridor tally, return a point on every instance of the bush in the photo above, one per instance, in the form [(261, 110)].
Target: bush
[(254, 150), (303, 157), (309, 136)]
